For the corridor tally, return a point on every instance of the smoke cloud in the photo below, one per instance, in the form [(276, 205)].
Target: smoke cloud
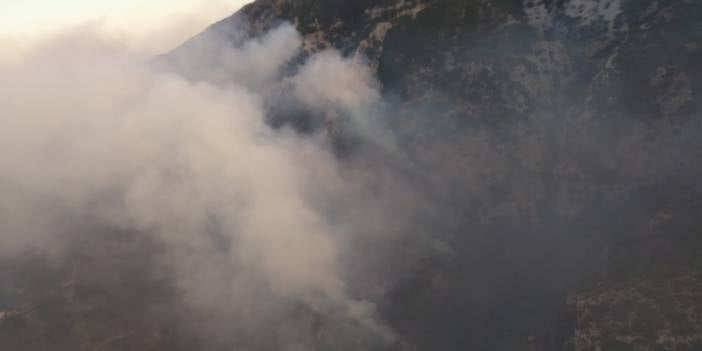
[(237, 194), (91, 136)]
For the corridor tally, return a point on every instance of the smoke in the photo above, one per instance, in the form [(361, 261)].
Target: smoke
[(162, 188), (329, 80), (211, 57), (92, 137)]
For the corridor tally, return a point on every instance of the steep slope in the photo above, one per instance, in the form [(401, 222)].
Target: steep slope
[(559, 141), (556, 144)]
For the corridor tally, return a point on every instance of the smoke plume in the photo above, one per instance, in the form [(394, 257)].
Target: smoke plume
[(91, 136)]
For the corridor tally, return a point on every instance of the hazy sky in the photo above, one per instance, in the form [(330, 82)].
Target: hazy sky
[(28, 19), (146, 26)]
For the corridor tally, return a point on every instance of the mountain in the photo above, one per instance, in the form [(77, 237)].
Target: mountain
[(559, 141), (560, 135), (554, 143)]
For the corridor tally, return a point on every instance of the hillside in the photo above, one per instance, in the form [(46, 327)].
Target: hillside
[(551, 150)]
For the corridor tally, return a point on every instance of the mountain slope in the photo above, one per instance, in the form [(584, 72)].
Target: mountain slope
[(551, 149), (560, 138)]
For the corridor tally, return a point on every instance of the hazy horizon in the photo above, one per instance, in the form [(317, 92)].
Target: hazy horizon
[(149, 26)]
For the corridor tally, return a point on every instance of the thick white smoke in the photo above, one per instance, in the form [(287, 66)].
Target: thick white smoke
[(88, 131)]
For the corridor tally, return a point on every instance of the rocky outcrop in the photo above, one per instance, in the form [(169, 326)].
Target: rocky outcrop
[(640, 315)]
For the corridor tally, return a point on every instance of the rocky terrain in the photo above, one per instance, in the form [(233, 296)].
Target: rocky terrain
[(557, 143)]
